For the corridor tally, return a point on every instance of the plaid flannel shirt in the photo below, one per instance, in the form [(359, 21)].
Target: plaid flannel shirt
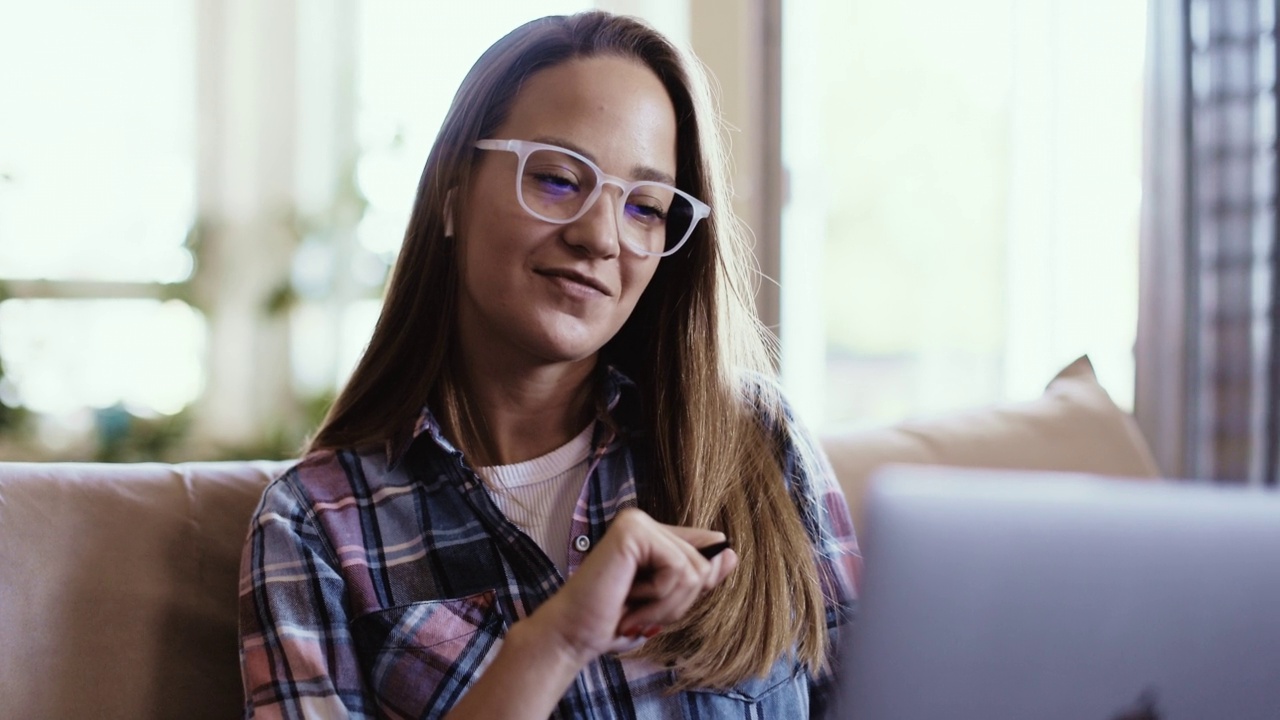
[(380, 584)]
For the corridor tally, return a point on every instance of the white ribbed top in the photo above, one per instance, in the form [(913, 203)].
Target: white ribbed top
[(539, 495)]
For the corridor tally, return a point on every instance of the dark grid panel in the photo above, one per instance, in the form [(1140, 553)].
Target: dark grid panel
[(1232, 72)]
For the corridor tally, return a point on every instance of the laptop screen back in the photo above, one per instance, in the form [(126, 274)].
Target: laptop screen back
[(1028, 595)]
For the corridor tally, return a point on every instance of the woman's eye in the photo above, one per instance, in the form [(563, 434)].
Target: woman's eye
[(555, 182), (647, 212)]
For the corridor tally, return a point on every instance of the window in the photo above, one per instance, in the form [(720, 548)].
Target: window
[(965, 183), (97, 195)]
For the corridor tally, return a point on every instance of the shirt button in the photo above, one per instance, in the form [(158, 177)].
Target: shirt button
[(582, 543)]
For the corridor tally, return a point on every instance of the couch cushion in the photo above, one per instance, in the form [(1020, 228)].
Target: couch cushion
[(118, 587), (1074, 426)]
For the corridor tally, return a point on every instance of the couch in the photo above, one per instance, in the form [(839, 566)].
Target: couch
[(118, 583)]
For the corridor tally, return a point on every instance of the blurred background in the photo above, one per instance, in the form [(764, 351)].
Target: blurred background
[(200, 200)]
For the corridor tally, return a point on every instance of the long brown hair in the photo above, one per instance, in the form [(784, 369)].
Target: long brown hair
[(693, 345)]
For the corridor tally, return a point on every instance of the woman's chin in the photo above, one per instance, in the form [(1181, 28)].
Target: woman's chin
[(540, 339), (562, 354), (569, 342)]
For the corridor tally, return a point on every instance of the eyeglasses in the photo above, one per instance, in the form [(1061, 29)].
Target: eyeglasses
[(560, 186)]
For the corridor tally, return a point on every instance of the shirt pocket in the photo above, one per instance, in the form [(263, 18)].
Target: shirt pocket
[(418, 659), (782, 693)]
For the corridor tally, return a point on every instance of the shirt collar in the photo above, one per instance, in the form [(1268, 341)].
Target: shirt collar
[(614, 387)]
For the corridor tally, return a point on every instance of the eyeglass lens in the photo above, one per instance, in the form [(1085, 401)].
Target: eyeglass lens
[(555, 186)]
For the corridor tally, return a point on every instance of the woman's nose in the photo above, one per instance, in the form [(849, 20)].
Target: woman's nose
[(597, 232)]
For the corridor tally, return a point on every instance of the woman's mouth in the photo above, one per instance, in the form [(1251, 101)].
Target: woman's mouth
[(576, 283)]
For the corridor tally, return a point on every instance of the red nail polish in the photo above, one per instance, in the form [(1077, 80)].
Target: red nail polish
[(652, 630)]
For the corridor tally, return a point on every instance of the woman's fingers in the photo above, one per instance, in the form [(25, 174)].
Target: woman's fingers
[(724, 563), (696, 537), (662, 595), (685, 564), (641, 576), (647, 587), (712, 570)]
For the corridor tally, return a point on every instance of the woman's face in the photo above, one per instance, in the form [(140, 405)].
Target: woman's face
[(536, 293)]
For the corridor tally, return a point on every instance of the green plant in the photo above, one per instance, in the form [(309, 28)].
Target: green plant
[(125, 437), (14, 419), (284, 441)]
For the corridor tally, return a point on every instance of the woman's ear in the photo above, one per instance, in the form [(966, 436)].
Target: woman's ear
[(448, 214)]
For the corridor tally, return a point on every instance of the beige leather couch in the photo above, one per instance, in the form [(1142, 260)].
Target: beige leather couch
[(118, 583)]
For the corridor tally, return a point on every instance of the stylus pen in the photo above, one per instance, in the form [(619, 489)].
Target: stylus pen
[(707, 552), (711, 551)]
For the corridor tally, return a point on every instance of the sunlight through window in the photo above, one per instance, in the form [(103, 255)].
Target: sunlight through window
[(965, 181)]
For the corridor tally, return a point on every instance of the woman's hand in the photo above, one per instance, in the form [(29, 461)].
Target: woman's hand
[(641, 576)]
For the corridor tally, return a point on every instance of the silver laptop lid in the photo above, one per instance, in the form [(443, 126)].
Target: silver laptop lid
[(1028, 595)]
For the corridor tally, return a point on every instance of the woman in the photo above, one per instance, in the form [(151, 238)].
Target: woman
[(508, 510)]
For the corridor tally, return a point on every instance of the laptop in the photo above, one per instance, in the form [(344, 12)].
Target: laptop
[(998, 594)]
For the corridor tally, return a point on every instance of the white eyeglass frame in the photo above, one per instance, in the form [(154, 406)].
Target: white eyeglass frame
[(524, 148)]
